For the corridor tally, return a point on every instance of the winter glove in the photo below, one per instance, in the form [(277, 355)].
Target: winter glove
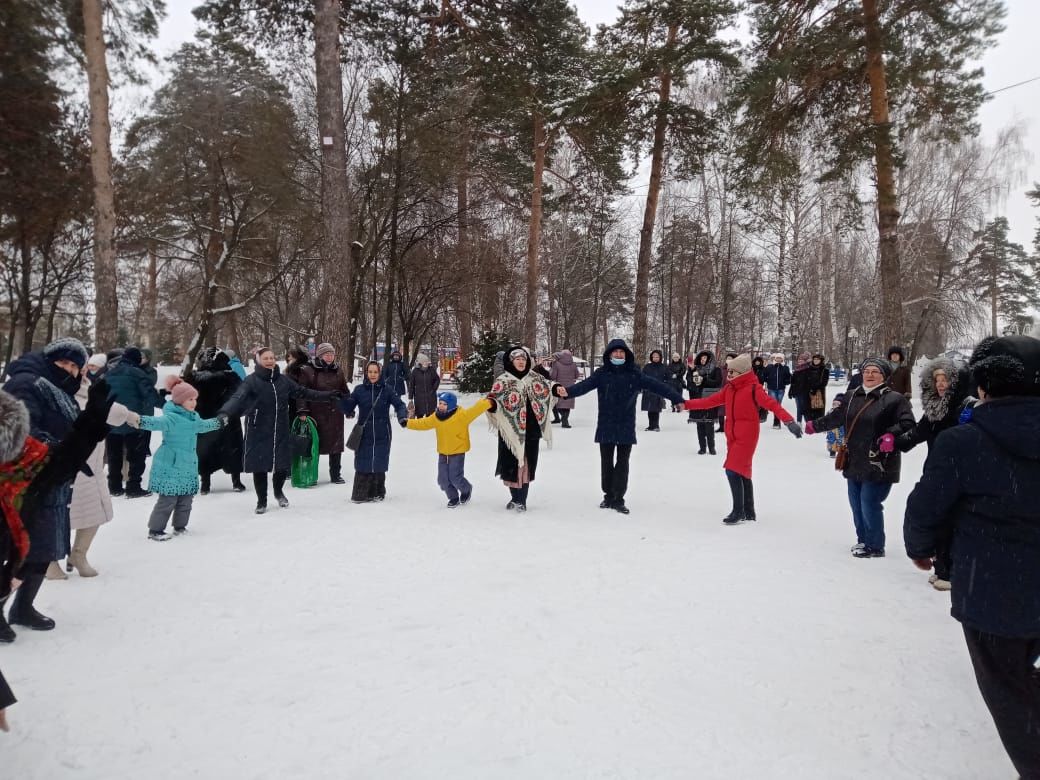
[(560, 391), (810, 429), (493, 402), (887, 443), (98, 401), (133, 419), (222, 416), (796, 429), (403, 421)]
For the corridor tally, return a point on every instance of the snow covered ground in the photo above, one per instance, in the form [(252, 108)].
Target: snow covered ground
[(406, 640)]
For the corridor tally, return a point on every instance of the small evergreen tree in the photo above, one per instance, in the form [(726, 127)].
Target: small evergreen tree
[(1006, 274), (479, 372)]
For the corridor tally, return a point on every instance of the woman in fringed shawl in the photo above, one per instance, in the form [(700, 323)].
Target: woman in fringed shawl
[(521, 403)]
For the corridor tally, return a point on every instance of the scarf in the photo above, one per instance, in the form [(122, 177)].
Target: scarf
[(509, 419), (15, 476)]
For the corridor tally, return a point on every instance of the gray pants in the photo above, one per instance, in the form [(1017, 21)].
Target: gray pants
[(180, 506), (451, 477)]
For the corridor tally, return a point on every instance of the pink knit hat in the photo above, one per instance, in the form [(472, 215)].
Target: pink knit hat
[(180, 391)]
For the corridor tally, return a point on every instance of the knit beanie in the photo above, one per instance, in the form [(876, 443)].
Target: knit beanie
[(66, 349), (1009, 365), (180, 391), (132, 356), (740, 364), (449, 398), (676, 357), (14, 427), (98, 360), (879, 363), (324, 349)]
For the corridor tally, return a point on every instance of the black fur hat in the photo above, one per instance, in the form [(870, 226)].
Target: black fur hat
[(1009, 365), (14, 427)]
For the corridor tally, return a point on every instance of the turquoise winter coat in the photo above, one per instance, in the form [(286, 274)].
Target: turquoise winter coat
[(175, 467)]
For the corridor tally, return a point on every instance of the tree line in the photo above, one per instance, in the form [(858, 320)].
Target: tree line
[(417, 173)]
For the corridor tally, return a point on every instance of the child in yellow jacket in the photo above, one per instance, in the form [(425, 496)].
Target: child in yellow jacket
[(452, 426)]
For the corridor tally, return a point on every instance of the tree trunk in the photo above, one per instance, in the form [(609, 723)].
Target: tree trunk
[(106, 303), (151, 297), (468, 290), (534, 235), (335, 192), (884, 162), (646, 234)]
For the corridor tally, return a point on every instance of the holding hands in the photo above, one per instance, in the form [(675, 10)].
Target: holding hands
[(560, 391)]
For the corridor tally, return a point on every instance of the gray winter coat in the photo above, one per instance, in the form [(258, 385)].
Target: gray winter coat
[(565, 371)]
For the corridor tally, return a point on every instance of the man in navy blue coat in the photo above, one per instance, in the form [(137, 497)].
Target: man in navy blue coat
[(617, 384), (979, 488)]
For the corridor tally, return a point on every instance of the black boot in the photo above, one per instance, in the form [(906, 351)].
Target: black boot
[(236, 483), (565, 414), (22, 611), (336, 469), (204, 486), (7, 634)]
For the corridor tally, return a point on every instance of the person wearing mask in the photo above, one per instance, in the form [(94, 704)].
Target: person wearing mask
[(874, 416), (979, 489), (617, 383), (96, 366)]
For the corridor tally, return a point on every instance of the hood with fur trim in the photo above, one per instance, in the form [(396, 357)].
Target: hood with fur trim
[(14, 427), (936, 406)]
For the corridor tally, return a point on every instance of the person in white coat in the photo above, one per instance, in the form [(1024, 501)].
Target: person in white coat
[(91, 502)]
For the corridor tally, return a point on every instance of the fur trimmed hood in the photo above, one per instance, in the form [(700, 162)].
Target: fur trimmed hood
[(14, 427), (936, 407)]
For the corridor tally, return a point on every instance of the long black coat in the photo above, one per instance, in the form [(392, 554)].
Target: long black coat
[(372, 403), (890, 412), (979, 485), (423, 390), (263, 400), (653, 402), (65, 459), (710, 383), (48, 392), (676, 376), (940, 412), (396, 376), (616, 390), (327, 415), (219, 450)]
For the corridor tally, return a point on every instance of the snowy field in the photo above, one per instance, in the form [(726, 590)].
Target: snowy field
[(406, 640)]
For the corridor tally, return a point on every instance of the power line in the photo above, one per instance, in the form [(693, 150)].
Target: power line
[(1012, 86)]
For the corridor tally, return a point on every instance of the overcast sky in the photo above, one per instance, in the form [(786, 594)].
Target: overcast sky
[(1011, 61)]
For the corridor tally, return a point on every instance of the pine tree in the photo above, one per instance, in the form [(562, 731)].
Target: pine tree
[(856, 75), (1005, 274), (479, 374), (650, 51)]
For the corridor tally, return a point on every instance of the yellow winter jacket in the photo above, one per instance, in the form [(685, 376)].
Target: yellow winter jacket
[(453, 433)]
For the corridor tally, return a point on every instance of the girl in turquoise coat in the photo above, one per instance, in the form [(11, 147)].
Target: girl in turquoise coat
[(175, 467)]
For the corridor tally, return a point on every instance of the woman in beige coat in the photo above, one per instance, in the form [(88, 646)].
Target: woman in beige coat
[(91, 502)]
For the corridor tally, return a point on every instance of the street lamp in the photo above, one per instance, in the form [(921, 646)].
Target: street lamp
[(854, 336)]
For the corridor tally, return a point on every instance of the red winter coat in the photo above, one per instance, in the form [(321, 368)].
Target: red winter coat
[(742, 398)]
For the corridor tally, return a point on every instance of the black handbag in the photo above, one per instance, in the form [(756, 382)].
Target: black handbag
[(354, 439), (300, 439)]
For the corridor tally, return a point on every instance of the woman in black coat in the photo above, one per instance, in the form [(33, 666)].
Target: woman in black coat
[(29, 471), (422, 389), (219, 450), (263, 400), (874, 416), (653, 403), (49, 467), (705, 379), (372, 401), (944, 391)]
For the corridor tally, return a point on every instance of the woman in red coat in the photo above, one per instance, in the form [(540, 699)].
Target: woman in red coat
[(742, 396)]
